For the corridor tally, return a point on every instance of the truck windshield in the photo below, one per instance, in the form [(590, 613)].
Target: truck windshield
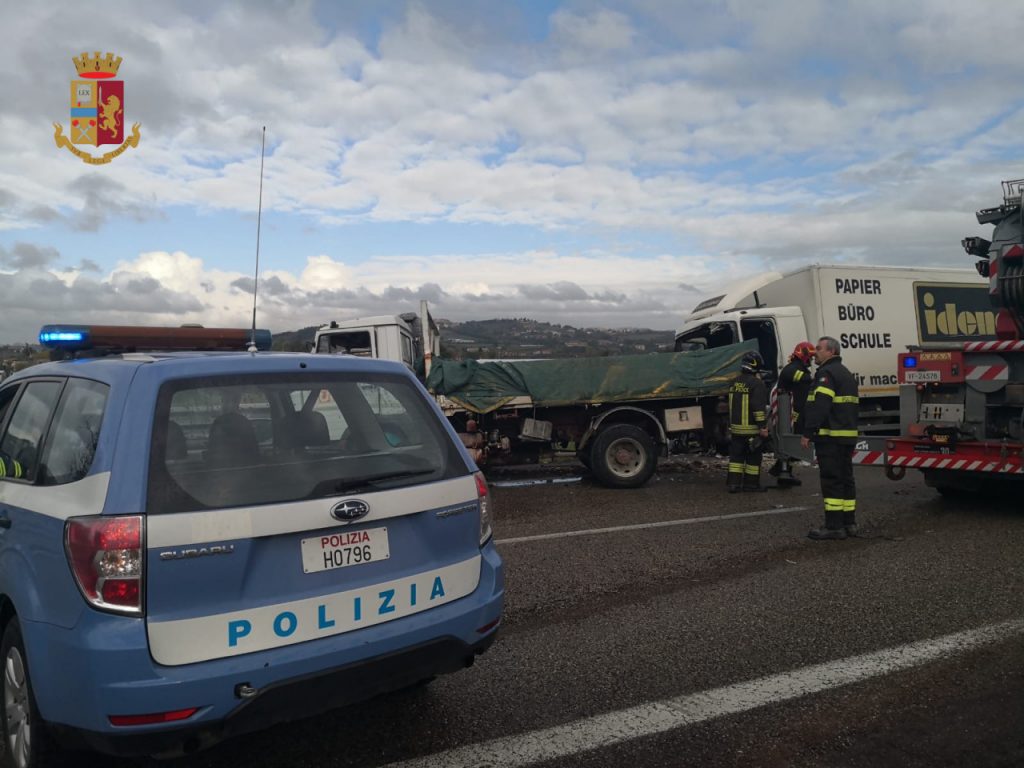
[(272, 439), (706, 336), (348, 342)]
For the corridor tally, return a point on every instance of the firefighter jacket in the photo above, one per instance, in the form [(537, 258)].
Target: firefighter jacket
[(748, 405), (10, 467), (832, 405), (795, 379)]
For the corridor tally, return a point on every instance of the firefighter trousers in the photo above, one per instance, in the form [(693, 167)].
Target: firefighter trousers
[(838, 490), (744, 463)]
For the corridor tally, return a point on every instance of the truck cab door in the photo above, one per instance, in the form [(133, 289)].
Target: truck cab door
[(764, 332)]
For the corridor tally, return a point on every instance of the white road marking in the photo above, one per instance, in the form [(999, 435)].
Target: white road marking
[(655, 717), (642, 526)]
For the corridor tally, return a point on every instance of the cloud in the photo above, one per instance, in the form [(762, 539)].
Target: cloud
[(702, 145), (157, 288), (638, 118), (244, 284), (25, 256), (101, 198), (604, 31)]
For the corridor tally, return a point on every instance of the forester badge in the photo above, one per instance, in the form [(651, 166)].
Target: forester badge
[(97, 110)]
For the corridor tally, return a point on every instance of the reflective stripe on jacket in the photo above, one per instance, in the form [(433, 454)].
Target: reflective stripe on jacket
[(832, 405), (748, 405), (9, 467)]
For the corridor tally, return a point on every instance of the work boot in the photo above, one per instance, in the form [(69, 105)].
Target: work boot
[(833, 530), (733, 481), (786, 478), (850, 523), (827, 534), (776, 469), (752, 484)]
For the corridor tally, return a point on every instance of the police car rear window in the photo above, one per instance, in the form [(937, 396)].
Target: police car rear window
[(243, 441)]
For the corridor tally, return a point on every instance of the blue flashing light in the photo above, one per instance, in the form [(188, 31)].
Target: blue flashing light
[(909, 362), (63, 336)]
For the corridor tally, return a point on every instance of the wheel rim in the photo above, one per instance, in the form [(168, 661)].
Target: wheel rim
[(625, 457), (16, 709)]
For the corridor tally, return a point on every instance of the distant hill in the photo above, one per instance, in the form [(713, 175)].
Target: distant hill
[(295, 341), (519, 338)]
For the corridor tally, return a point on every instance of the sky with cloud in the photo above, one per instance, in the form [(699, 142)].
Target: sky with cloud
[(598, 164)]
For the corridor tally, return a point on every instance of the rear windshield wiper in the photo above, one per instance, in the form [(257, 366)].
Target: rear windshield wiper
[(349, 484)]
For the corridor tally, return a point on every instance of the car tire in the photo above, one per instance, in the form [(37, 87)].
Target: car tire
[(623, 456), (27, 743)]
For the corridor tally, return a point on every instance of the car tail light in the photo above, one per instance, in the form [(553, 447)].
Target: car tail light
[(105, 554), (484, 497)]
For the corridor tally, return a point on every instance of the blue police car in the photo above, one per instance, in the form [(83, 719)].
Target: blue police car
[(194, 545)]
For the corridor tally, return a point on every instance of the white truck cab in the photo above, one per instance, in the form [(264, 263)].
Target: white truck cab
[(384, 337)]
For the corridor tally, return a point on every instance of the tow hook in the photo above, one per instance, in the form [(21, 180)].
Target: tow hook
[(245, 691)]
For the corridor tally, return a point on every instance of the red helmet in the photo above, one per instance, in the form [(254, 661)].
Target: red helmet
[(804, 352)]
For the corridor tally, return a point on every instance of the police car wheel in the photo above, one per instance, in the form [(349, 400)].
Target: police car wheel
[(623, 456), (27, 744)]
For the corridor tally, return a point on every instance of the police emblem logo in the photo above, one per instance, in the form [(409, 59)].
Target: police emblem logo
[(97, 110)]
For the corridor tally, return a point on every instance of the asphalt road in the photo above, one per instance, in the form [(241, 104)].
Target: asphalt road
[(720, 642)]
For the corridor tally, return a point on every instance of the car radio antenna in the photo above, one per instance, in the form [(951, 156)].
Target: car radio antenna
[(259, 216)]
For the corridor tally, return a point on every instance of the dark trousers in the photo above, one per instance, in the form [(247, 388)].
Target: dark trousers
[(838, 489), (744, 462)]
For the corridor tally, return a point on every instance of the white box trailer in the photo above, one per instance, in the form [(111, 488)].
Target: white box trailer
[(874, 313)]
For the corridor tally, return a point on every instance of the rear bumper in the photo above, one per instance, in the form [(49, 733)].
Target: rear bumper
[(103, 667), (290, 700), (993, 458)]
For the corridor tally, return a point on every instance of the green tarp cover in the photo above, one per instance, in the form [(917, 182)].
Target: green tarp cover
[(484, 387)]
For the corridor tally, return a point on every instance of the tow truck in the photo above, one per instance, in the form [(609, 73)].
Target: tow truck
[(962, 404)]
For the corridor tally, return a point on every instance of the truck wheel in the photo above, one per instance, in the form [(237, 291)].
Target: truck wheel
[(623, 456), (586, 456), (27, 744)]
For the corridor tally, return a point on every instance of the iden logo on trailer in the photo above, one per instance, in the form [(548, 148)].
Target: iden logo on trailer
[(97, 110)]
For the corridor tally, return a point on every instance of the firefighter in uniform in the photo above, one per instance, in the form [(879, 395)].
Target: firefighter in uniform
[(748, 425), (10, 467), (794, 380), (830, 421)]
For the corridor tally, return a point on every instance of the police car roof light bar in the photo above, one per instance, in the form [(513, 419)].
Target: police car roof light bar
[(111, 339)]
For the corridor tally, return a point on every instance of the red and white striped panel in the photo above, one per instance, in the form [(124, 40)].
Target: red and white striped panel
[(987, 372), (994, 346), (1002, 466), (871, 458)]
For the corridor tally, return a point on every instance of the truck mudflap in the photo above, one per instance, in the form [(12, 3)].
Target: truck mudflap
[(974, 456)]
